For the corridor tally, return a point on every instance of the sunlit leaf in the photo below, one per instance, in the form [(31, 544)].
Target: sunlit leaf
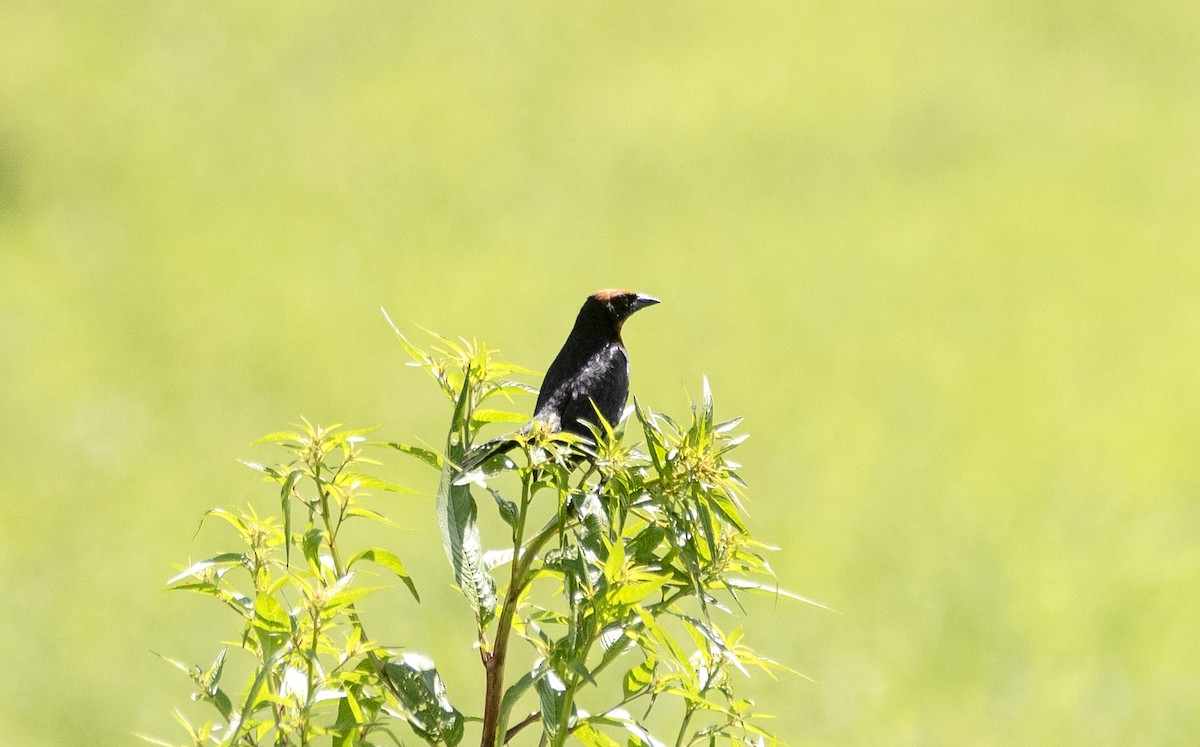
[(592, 738), (388, 560), (259, 678), (285, 497), (234, 520), (483, 417), (371, 482), (640, 677), (508, 509), (366, 513), (660, 635), (347, 597), (224, 559), (429, 456), (720, 503), (615, 562), (761, 588), (311, 544), (270, 613), (620, 718), (457, 514), (423, 695), (552, 693), (279, 436), (632, 593)]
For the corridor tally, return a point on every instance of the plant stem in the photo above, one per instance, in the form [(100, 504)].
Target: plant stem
[(494, 661), (494, 718), (687, 717), (351, 611), (564, 714), (312, 674), (530, 719)]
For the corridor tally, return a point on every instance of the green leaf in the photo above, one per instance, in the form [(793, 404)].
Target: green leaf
[(388, 560), (615, 562), (190, 672), (352, 704), (374, 483), (244, 716), (200, 587), (484, 416), (345, 731), (664, 639), (508, 509), (552, 693), (654, 438), (516, 690), (285, 497), (706, 409), (271, 614), (642, 547), (423, 695), (347, 597), (224, 559), (592, 738), (234, 520), (720, 502), (761, 588), (640, 677), (457, 514), (639, 735), (429, 456), (367, 513), (278, 436), (212, 676), (703, 632), (727, 426), (508, 387), (311, 545), (632, 592), (351, 716)]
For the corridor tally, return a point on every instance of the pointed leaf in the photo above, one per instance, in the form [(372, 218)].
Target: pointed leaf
[(429, 456), (498, 416), (423, 695), (388, 560), (285, 497), (552, 693), (224, 559), (367, 513), (592, 738), (508, 509), (371, 482), (755, 586), (457, 513), (270, 613), (640, 677)]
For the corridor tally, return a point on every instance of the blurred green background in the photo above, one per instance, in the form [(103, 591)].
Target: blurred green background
[(942, 256)]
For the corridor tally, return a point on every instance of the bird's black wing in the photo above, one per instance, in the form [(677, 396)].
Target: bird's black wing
[(603, 381)]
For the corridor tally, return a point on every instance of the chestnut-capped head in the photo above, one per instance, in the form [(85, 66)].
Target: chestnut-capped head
[(621, 304)]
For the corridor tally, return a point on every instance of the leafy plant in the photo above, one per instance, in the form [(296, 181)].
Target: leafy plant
[(620, 563)]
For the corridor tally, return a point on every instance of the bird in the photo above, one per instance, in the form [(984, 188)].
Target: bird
[(588, 379)]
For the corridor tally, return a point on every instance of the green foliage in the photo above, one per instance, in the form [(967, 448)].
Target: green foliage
[(632, 577), (315, 671)]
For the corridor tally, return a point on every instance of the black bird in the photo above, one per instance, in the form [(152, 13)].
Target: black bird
[(592, 367)]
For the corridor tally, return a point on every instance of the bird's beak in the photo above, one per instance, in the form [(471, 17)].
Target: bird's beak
[(641, 302)]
